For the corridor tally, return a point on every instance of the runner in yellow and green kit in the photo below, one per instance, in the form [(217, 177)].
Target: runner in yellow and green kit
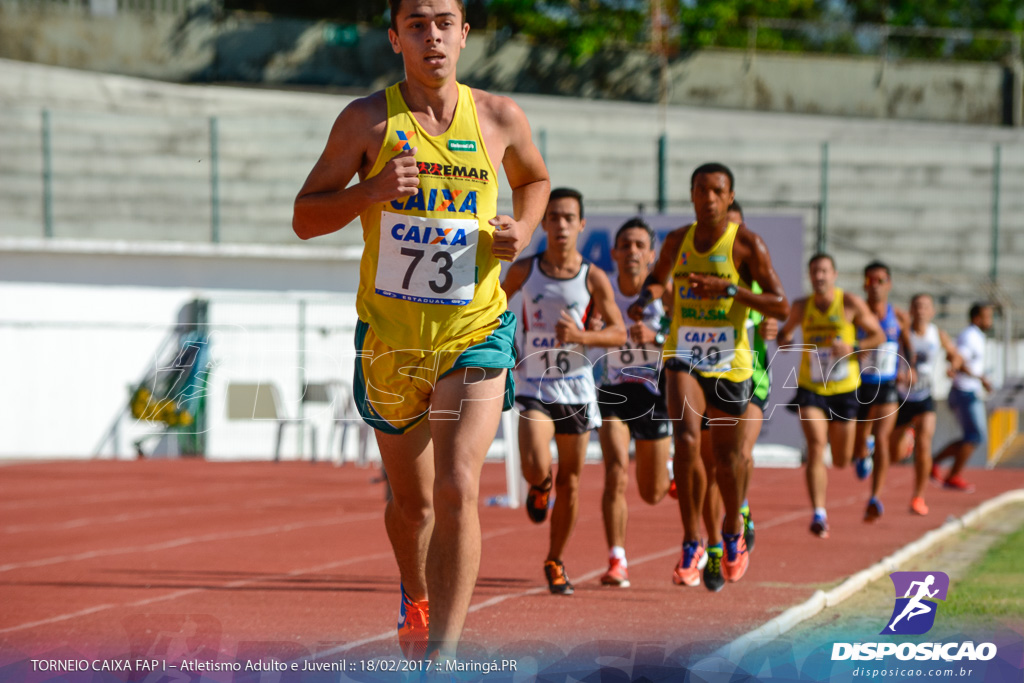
[(708, 357), (760, 328), (829, 374), (434, 340)]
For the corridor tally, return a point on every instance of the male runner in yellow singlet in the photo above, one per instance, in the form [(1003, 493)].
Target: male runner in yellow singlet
[(712, 264), (826, 397), (434, 341)]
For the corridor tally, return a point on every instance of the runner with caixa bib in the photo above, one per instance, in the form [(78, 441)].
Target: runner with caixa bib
[(708, 358), (555, 388), (434, 338), (826, 395)]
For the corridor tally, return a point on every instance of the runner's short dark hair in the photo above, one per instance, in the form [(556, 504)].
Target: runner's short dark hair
[(875, 265), (563, 192), (820, 255), (395, 5), (712, 167), (634, 223)]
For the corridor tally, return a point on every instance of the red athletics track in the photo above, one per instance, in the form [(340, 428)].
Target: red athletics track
[(167, 558)]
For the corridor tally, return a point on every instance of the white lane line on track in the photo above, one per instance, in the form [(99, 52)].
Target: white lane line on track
[(60, 617), (188, 540), (46, 501), (174, 595), (148, 514), (593, 574)]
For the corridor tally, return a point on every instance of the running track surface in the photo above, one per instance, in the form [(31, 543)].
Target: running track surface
[(175, 558)]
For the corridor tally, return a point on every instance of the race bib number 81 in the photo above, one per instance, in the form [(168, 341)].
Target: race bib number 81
[(427, 260)]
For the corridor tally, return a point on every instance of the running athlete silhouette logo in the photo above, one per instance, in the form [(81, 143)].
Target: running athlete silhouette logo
[(914, 613)]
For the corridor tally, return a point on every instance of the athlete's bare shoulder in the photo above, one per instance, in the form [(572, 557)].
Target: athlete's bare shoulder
[(497, 109), (360, 129), (516, 275)]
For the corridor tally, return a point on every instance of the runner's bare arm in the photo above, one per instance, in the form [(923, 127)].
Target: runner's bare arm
[(796, 314), (905, 369), (953, 357), (527, 176), (515, 277), (324, 204), (614, 331), (864, 320), (772, 301)]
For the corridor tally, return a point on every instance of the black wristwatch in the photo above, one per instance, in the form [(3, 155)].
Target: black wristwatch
[(731, 290)]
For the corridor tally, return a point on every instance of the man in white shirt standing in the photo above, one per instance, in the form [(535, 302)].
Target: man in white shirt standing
[(965, 400)]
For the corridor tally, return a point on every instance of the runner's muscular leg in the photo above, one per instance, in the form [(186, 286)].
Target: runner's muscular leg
[(409, 515), (686, 404), (652, 478), (465, 411), (572, 451), (535, 433), (815, 428), (614, 437), (731, 469)]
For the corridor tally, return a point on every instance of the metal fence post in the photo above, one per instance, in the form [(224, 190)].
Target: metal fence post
[(47, 175), (997, 164), (214, 181), (662, 172), (823, 201)]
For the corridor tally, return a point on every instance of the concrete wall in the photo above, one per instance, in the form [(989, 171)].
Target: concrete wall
[(200, 46)]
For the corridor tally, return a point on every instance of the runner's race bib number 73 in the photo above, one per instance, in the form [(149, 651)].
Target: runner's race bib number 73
[(707, 348), (546, 360), (427, 260)]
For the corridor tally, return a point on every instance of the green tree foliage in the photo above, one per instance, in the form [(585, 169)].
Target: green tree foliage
[(582, 28), (999, 15)]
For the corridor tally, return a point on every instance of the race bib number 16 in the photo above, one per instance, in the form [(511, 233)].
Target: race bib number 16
[(427, 260)]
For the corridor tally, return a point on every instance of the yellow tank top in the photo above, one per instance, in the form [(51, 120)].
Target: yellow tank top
[(819, 370), (709, 334), (427, 275)]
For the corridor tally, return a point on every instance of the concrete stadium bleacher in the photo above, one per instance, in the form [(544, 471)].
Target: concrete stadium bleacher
[(131, 160)]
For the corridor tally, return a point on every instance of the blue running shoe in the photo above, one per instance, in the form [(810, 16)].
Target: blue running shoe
[(874, 510), (819, 526), (863, 467)]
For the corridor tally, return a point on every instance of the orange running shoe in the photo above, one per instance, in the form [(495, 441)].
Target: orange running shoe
[(616, 574), (918, 507), (558, 581), (692, 561), (413, 628), (537, 501), (736, 559)]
